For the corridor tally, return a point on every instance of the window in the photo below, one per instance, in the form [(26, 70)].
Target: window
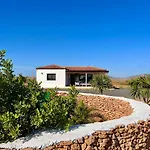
[(82, 78), (51, 76), (89, 77)]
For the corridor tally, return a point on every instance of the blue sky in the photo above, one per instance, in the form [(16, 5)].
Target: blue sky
[(112, 34)]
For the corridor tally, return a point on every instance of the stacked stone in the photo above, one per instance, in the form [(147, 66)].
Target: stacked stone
[(109, 108), (131, 137)]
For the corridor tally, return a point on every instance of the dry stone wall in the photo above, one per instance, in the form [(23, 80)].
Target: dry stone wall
[(132, 137)]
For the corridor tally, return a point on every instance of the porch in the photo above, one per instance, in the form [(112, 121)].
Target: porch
[(79, 79)]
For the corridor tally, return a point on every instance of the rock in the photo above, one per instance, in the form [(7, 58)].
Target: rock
[(137, 147), (83, 146), (59, 146), (81, 140), (67, 147), (89, 148), (141, 122), (75, 147), (90, 140), (50, 148), (115, 142), (28, 148), (114, 137), (148, 130), (103, 136), (121, 130), (65, 143), (62, 149), (100, 141), (122, 146), (122, 126), (145, 129), (86, 137), (105, 141)]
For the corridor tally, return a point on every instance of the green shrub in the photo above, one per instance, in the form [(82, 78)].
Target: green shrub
[(25, 106), (82, 114), (9, 126), (140, 88), (55, 113)]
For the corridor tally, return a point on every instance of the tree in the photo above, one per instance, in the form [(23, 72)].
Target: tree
[(101, 82), (140, 88)]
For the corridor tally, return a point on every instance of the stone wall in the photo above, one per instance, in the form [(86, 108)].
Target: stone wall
[(131, 137)]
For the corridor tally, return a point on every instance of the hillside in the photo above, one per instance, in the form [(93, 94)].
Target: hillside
[(122, 82)]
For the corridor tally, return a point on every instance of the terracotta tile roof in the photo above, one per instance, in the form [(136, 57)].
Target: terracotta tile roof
[(74, 68), (84, 68), (53, 66)]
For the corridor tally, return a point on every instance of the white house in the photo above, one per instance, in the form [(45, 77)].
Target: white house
[(61, 76)]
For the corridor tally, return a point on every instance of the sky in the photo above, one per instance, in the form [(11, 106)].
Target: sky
[(110, 34)]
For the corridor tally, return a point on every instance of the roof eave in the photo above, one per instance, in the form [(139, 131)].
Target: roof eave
[(87, 70), (49, 68)]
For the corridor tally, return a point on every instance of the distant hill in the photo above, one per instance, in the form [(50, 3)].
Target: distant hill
[(122, 82), (136, 76), (127, 78)]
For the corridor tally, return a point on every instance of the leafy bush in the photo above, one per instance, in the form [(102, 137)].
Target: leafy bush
[(140, 88), (101, 82), (25, 106), (18, 102), (82, 114), (56, 112)]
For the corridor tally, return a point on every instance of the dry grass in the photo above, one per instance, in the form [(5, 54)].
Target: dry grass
[(119, 82)]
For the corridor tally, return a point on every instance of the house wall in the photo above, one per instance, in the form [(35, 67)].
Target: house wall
[(67, 79), (41, 76)]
